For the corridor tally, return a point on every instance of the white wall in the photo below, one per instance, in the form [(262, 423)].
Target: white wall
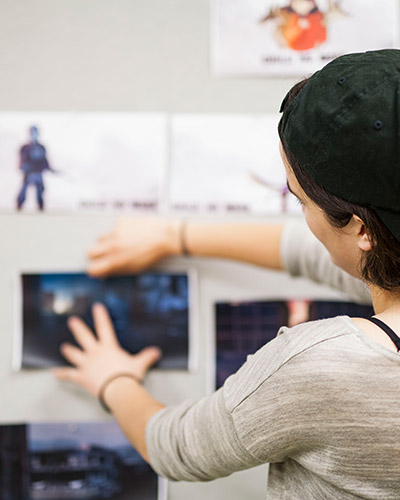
[(119, 55)]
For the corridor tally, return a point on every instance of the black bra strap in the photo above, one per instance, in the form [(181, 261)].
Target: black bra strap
[(387, 330)]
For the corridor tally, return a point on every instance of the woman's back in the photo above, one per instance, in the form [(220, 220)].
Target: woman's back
[(348, 418), (320, 403)]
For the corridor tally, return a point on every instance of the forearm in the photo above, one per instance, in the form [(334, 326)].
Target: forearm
[(132, 407), (257, 244), (136, 244)]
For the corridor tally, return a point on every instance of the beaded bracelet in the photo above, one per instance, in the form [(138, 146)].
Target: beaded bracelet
[(103, 387)]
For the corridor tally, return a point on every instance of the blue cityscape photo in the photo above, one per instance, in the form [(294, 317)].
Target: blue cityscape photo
[(86, 461)]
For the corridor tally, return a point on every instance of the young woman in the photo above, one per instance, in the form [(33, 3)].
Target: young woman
[(320, 403)]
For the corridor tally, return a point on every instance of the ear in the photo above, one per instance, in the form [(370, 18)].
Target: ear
[(363, 237)]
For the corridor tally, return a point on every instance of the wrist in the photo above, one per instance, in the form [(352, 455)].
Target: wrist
[(176, 237), (116, 384)]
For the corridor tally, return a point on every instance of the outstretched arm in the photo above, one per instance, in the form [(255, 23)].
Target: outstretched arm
[(193, 441), (335, 10), (137, 243)]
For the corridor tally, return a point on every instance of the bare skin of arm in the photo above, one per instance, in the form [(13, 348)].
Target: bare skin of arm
[(133, 245), (137, 243)]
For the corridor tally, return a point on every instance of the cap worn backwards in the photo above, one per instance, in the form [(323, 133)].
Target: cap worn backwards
[(343, 128)]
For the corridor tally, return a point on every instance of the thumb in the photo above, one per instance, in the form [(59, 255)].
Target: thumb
[(148, 356)]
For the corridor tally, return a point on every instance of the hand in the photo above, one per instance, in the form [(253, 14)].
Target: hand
[(133, 245), (335, 10), (101, 357)]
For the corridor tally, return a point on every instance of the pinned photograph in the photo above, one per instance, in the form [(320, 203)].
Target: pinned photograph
[(296, 37), (152, 308), (228, 164), (244, 327), (91, 461), (81, 162)]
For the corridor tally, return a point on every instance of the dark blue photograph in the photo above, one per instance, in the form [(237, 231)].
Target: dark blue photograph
[(147, 309), (87, 461)]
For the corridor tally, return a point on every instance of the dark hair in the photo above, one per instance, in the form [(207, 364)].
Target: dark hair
[(380, 265)]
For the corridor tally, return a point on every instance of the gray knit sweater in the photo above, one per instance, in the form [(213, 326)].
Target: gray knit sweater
[(320, 403)]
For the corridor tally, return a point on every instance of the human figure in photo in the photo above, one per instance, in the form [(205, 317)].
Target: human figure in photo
[(320, 402), (302, 25), (282, 190), (33, 163), (298, 311)]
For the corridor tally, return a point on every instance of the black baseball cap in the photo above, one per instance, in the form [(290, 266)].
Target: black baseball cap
[(343, 128)]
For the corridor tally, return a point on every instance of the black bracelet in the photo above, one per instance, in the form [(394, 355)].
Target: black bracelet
[(103, 387), (184, 249)]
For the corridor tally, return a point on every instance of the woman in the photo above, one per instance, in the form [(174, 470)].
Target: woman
[(321, 401)]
